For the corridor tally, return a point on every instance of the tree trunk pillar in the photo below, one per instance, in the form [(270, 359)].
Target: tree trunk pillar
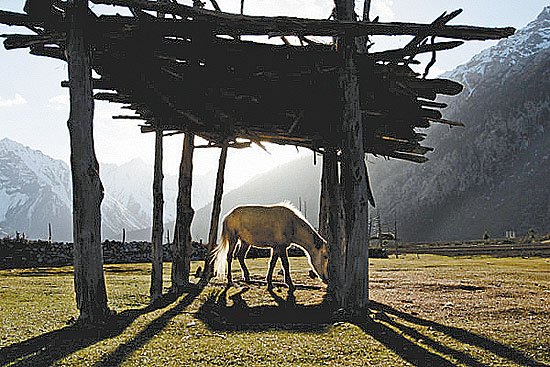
[(329, 212), (216, 209), (157, 230), (182, 250), (89, 281), (354, 294)]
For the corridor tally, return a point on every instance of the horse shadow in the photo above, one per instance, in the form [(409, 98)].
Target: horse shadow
[(384, 323), (52, 346)]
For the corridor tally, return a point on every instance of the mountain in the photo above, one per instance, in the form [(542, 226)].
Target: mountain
[(36, 190), (492, 175)]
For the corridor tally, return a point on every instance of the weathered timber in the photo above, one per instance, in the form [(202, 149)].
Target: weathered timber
[(330, 212), (158, 227), (216, 211), (446, 122), (353, 296), (224, 23), (400, 53), (181, 250), (91, 297)]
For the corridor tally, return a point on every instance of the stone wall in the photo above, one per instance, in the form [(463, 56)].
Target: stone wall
[(22, 253)]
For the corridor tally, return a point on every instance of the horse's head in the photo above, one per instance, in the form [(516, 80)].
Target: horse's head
[(319, 258)]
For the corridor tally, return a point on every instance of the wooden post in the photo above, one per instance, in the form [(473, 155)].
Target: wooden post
[(329, 228), (157, 230), (123, 236), (49, 232), (91, 297), (216, 209), (353, 296), (181, 250)]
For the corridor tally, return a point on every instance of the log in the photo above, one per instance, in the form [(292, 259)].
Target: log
[(353, 296), (215, 218), (89, 281), (224, 23), (155, 290), (329, 213), (402, 52), (181, 250)]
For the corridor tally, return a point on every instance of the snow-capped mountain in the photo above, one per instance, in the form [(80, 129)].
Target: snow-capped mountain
[(36, 190), (493, 174), (505, 58)]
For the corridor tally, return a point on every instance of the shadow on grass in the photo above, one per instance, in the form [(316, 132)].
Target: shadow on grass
[(409, 343), (50, 347)]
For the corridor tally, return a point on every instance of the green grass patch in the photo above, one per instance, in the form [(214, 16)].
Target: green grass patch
[(426, 310)]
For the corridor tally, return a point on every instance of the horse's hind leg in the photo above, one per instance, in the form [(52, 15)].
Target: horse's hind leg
[(232, 243), (272, 262), (241, 256), (286, 267)]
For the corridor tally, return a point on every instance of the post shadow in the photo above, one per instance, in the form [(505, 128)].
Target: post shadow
[(289, 316), (461, 335), (121, 353), (52, 346)]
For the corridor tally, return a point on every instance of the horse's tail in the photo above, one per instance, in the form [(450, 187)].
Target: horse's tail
[(220, 252)]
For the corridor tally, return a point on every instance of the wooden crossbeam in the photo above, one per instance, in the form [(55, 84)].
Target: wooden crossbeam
[(224, 23)]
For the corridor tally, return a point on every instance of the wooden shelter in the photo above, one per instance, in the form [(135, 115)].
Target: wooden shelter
[(187, 70)]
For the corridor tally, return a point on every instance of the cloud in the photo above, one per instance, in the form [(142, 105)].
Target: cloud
[(383, 9), (60, 102), (17, 100)]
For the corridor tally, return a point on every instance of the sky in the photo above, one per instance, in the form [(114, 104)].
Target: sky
[(34, 107)]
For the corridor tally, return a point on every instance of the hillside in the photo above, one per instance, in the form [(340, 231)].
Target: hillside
[(492, 175)]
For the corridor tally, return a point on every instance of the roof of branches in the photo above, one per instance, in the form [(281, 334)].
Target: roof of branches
[(191, 72)]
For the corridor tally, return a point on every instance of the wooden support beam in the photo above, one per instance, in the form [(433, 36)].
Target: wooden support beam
[(215, 218), (181, 250), (353, 296), (225, 23), (157, 228), (89, 281), (329, 217)]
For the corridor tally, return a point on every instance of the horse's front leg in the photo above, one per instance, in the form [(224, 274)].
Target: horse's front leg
[(286, 267), (272, 262)]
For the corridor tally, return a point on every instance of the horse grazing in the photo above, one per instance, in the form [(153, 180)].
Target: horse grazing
[(275, 227)]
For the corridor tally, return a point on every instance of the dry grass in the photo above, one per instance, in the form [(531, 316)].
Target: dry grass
[(434, 310)]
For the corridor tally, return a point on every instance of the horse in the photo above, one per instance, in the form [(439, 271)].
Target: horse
[(276, 227)]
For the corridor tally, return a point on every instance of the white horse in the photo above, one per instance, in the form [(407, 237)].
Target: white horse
[(275, 227)]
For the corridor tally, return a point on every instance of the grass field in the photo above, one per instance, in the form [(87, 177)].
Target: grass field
[(427, 310)]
